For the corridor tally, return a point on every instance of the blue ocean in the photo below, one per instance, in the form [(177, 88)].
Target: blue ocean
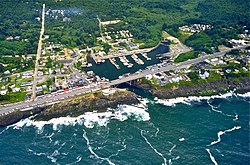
[(181, 131)]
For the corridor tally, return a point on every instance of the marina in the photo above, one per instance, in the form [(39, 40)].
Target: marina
[(145, 55), (137, 59), (126, 63), (113, 61)]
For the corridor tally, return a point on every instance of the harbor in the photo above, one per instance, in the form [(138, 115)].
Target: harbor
[(120, 65)]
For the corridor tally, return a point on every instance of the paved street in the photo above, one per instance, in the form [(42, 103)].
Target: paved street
[(57, 97), (39, 51)]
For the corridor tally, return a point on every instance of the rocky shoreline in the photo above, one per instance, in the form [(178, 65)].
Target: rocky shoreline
[(73, 107), (217, 87), (100, 102)]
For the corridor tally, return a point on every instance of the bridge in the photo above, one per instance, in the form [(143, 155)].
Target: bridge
[(57, 97)]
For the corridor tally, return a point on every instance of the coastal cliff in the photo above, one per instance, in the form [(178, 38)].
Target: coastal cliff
[(73, 107), (88, 103), (221, 86)]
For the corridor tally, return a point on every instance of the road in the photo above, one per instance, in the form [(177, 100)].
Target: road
[(53, 98), (39, 51)]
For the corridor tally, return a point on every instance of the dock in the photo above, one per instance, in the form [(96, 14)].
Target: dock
[(113, 61), (137, 59), (125, 61), (145, 55)]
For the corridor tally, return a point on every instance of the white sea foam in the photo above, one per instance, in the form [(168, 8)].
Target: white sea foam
[(5, 129), (218, 111), (236, 117), (124, 147), (49, 136), (92, 151), (170, 151), (189, 99), (220, 133), (90, 119), (211, 157), (155, 150), (35, 153), (244, 95)]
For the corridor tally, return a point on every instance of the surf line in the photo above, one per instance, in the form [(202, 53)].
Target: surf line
[(212, 157), (220, 133), (155, 150), (91, 150)]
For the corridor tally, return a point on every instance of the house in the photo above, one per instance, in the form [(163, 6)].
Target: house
[(52, 88), (39, 88), (203, 74), (28, 89), (74, 54), (28, 73), (13, 70), (16, 90), (26, 84), (228, 71), (132, 46), (5, 79), (4, 92), (158, 76), (149, 77), (6, 72), (176, 79), (44, 86)]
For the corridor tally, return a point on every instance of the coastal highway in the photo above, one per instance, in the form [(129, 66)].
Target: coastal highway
[(57, 97)]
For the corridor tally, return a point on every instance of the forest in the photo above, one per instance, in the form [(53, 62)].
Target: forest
[(78, 25)]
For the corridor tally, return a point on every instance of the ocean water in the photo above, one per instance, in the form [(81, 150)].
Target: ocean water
[(193, 130)]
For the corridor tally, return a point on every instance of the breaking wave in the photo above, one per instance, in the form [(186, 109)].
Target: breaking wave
[(244, 95), (188, 100), (90, 119)]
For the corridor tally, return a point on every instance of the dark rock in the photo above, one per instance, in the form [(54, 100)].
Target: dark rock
[(222, 86)]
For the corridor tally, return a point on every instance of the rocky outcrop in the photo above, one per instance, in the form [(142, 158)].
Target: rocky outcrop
[(216, 87), (73, 107), (16, 116), (93, 102)]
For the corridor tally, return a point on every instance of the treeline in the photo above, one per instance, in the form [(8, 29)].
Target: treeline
[(145, 20), (228, 17), (19, 29)]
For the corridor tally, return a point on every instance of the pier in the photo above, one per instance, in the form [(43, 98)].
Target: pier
[(137, 59), (145, 55), (113, 61), (125, 61)]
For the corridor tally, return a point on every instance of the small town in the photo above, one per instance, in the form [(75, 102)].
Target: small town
[(60, 68), (124, 82)]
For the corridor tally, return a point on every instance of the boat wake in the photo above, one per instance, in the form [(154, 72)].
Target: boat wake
[(90, 119), (220, 133)]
